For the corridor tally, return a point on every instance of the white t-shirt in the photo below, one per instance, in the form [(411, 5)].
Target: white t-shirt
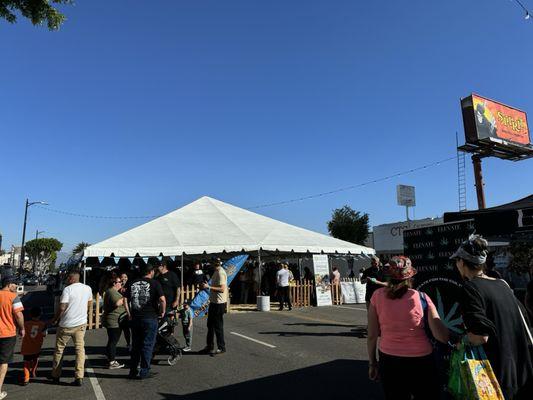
[(283, 277), (76, 296)]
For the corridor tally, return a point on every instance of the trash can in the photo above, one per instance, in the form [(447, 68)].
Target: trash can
[(263, 303)]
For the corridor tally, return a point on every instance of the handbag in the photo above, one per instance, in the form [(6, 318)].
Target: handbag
[(477, 379)]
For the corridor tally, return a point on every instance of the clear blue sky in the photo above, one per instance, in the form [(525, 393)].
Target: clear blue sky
[(139, 107)]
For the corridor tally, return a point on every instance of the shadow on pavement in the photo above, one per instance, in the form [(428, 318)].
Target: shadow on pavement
[(359, 332), (335, 379), (315, 324)]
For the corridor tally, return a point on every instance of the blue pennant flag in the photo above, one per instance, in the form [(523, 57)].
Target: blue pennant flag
[(100, 259), (200, 303), (159, 258), (145, 259), (131, 259), (172, 258), (117, 259)]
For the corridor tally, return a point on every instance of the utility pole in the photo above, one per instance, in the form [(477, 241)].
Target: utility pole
[(478, 175), (22, 252)]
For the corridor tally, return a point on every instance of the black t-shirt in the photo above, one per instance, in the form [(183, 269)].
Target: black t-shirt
[(372, 272), (490, 308), (143, 295), (170, 283)]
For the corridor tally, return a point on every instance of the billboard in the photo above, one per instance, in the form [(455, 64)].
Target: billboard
[(486, 119), (405, 195)]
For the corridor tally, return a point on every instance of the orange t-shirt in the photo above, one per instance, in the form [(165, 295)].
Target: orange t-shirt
[(33, 340), (9, 305)]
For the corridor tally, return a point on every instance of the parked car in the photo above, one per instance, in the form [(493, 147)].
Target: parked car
[(31, 280)]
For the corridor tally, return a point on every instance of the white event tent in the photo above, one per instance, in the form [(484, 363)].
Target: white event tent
[(211, 226)]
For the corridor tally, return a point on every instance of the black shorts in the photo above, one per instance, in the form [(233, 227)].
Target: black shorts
[(7, 348)]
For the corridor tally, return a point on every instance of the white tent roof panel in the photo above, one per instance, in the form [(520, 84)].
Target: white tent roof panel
[(212, 226)]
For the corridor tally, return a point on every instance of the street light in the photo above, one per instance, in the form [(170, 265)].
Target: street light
[(22, 255), (37, 233)]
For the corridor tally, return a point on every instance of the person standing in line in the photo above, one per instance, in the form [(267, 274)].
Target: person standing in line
[(218, 298), (244, 285), (496, 320), (113, 311), (123, 321), (396, 317), (71, 316), (374, 279), (171, 284), (11, 318), (187, 316), (282, 279), (197, 276), (145, 302)]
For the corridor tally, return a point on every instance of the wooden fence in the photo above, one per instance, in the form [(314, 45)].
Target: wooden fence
[(301, 293)]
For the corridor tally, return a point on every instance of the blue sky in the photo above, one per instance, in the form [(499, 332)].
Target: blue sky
[(137, 107)]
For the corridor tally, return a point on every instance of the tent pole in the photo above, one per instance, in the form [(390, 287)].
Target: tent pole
[(82, 264), (260, 274), (181, 288)]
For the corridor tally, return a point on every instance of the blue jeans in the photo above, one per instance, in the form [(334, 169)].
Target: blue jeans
[(144, 333)]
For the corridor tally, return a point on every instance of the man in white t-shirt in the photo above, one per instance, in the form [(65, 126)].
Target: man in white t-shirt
[(72, 320), (283, 278)]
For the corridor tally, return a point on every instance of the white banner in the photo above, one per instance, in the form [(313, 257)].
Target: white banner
[(321, 271), (348, 293), (353, 292)]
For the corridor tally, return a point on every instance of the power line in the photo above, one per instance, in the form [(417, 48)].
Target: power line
[(313, 196), (278, 203), (523, 7), (96, 216)]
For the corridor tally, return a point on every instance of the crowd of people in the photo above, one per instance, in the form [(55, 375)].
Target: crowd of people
[(405, 321)]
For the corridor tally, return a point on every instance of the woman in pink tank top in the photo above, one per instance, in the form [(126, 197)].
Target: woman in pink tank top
[(396, 317)]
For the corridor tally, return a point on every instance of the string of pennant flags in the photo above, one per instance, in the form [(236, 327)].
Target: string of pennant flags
[(173, 258)]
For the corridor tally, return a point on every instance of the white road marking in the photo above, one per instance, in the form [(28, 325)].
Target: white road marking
[(98, 392), (351, 308), (254, 340)]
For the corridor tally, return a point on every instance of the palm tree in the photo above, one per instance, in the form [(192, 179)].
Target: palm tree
[(80, 247)]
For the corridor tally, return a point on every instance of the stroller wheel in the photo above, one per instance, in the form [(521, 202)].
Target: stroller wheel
[(174, 358)]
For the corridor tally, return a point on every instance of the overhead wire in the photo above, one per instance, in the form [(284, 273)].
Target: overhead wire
[(265, 205)]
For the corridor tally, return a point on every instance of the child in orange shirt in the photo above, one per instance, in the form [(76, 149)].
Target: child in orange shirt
[(32, 343)]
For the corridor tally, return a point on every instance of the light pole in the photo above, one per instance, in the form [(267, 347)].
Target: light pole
[(22, 255), (37, 233)]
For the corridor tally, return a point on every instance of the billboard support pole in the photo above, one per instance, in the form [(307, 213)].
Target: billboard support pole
[(478, 175)]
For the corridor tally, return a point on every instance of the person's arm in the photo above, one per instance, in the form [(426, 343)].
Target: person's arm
[(437, 327), (372, 341), (19, 320), (127, 308), (176, 302), (59, 313), (162, 306), (478, 326)]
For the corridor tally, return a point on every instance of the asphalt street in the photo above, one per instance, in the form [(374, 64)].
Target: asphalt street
[(308, 353)]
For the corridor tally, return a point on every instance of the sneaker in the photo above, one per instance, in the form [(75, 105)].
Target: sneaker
[(186, 349), (115, 365), (53, 379), (3, 395), (218, 352), (78, 382)]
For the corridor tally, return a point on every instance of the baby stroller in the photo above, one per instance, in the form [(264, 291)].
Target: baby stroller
[(166, 343)]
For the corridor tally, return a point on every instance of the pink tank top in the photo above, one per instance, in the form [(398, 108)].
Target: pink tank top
[(401, 324)]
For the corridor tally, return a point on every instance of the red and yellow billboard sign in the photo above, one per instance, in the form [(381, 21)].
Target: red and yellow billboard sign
[(496, 120)]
